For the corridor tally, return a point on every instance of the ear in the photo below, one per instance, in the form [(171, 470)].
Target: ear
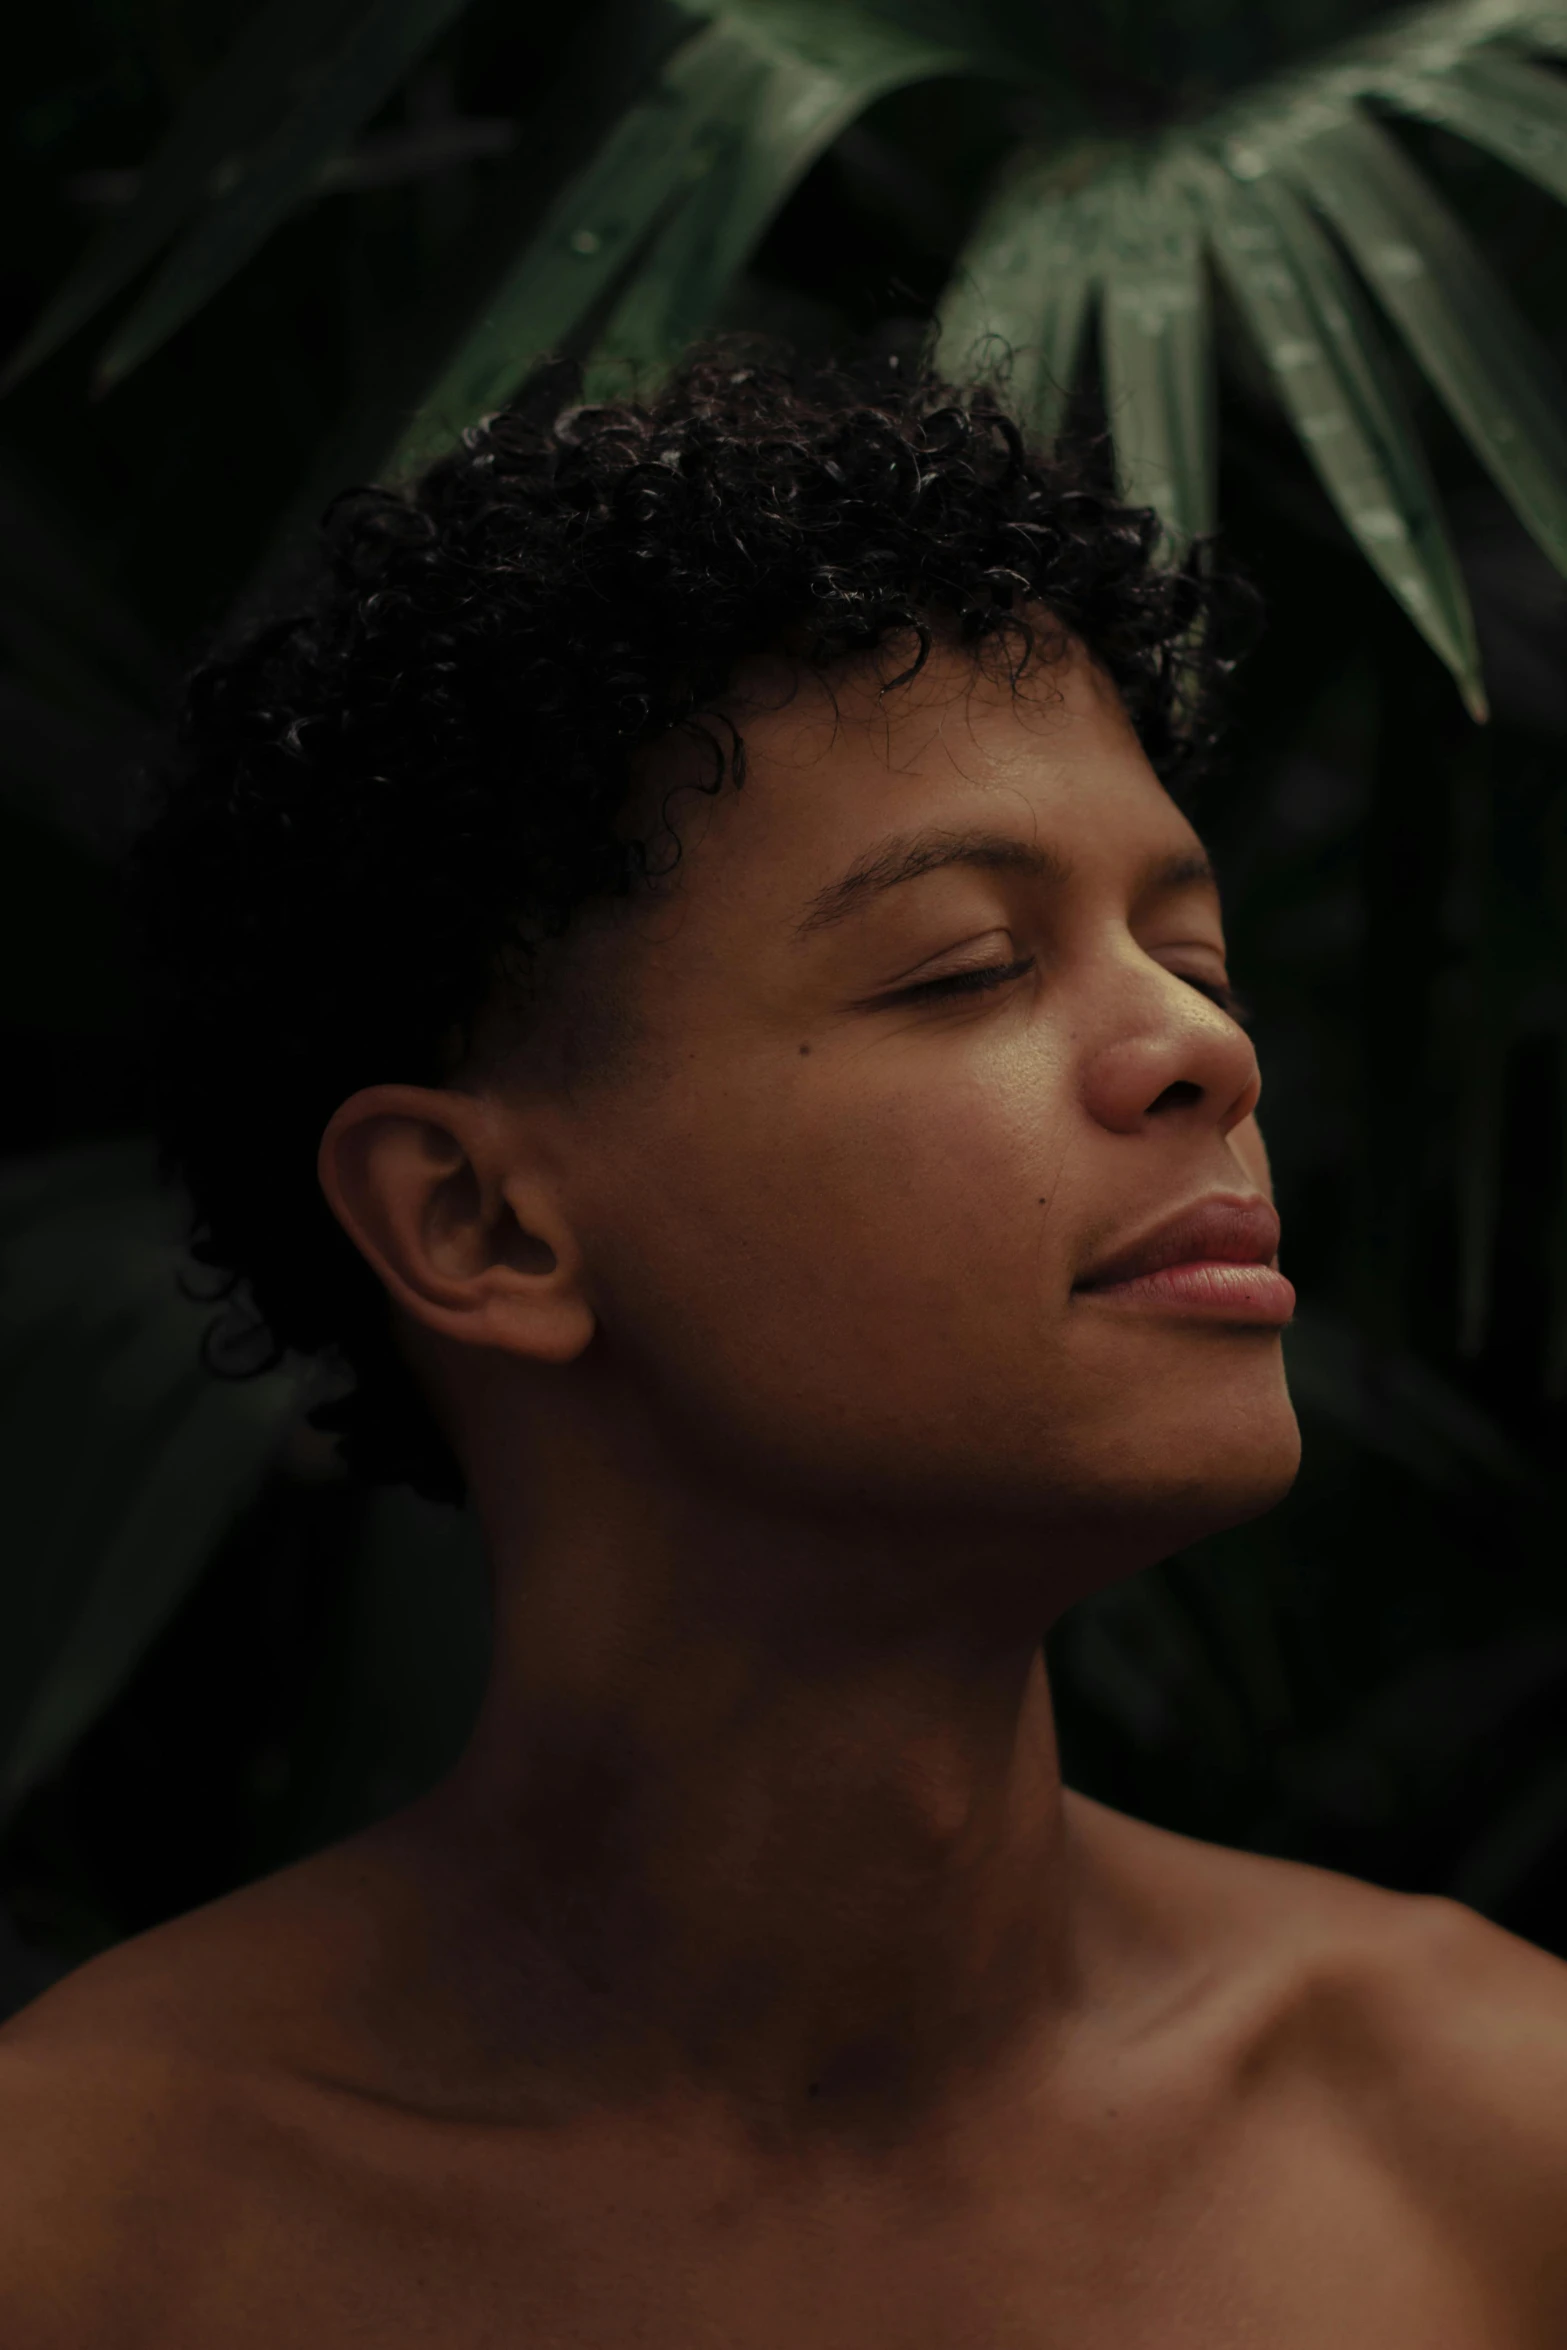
[(450, 1200)]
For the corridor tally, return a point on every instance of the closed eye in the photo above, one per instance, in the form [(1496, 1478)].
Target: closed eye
[(978, 981)]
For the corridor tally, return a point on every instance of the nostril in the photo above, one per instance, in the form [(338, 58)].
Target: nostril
[(1183, 1095)]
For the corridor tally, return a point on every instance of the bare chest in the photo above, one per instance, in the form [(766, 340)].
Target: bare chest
[(1254, 2242)]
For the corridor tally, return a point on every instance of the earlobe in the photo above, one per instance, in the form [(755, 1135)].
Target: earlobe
[(441, 1195)]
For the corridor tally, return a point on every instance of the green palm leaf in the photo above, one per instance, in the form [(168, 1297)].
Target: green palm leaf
[(684, 185), (1556, 1330), (1022, 297), (373, 58), (131, 1558), (1482, 1033), (1512, 109), (1158, 351), (649, 235), (796, 102), (1464, 331), (591, 234), (122, 1460), (53, 591), (1393, 1404), (236, 106), (1341, 394), (1252, 188)]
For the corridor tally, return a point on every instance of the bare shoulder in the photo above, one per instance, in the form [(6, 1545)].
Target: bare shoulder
[(1455, 2010), (101, 2173), (139, 2107), (1460, 2028), (1439, 2039), (1446, 2040)]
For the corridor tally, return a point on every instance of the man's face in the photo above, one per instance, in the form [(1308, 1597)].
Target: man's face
[(923, 1046)]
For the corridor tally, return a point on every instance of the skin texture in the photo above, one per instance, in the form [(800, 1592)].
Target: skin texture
[(754, 1980)]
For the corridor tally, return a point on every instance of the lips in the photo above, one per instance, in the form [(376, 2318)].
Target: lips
[(1213, 1259), (1220, 1231)]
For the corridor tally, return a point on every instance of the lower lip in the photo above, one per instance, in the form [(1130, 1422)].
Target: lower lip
[(1209, 1293)]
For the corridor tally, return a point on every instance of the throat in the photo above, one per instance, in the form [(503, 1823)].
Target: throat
[(832, 1901)]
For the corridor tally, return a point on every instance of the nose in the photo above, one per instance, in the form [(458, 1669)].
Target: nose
[(1178, 1056)]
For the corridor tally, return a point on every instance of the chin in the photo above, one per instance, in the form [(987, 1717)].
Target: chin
[(1236, 1493), (1200, 1480), (1184, 1457)]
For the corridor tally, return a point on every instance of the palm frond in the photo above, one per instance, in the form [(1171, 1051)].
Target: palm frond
[(122, 1460), (796, 102), (1393, 1404), (370, 62), (1276, 186), (1339, 389), (1463, 329), (83, 676), (1512, 1845), (594, 230), (1504, 104), (675, 200), (242, 101), (1021, 301), (1556, 1329), (1158, 351), (1479, 1054), (636, 252)]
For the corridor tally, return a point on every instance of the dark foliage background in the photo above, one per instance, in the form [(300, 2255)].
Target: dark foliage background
[(1374, 1678)]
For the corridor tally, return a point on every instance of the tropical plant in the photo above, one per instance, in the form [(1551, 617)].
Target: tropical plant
[(1295, 272)]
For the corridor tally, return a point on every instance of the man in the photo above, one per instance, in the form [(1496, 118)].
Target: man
[(702, 888)]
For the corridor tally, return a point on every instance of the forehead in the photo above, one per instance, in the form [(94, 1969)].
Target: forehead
[(835, 766)]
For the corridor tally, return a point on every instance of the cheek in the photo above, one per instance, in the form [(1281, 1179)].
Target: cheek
[(855, 1281), (851, 1242)]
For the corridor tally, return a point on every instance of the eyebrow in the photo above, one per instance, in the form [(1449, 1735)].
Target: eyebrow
[(908, 858), (893, 862)]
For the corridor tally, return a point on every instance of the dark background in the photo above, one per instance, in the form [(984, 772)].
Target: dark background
[(1375, 1677)]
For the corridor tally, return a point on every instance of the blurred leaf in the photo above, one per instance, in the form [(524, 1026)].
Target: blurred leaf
[(1461, 326), (593, 231), (122, 1460), (199, 1463), (1515, 111), (687, 182), (1018, 305), (791, 107), (398, 351), (1412, 1748), (283, 171), (1556, 1331), (30, 1189), (1158, 352), (1341, 394), (71, 776), (397, 1707), (63, 958), (1141, 1654), (1543, 25), (1529, 1828), (273, 54), (1395, 1405), (53, 595), (1481, 1041), (84, 677), (1134, 230)]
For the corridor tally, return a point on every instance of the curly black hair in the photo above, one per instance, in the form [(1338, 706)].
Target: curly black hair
[(378, 807)]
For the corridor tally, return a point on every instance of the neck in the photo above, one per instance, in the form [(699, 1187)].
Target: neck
[(808, 1853)]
